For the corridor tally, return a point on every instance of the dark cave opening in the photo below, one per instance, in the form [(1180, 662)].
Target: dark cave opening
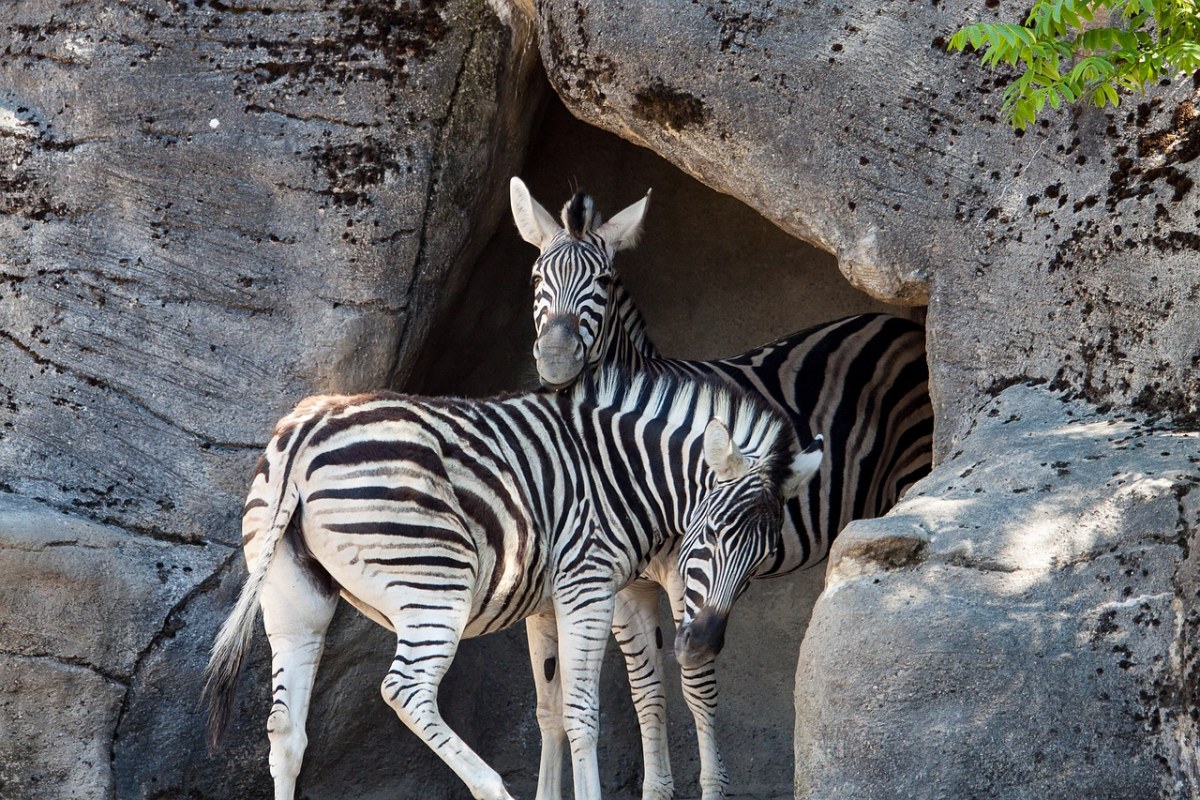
[(712, 277)]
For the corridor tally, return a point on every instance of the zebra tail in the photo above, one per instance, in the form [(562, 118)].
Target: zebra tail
[(233, 640)]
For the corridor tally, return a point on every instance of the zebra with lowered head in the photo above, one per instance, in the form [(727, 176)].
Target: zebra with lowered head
[(861, 381), (445, 518)]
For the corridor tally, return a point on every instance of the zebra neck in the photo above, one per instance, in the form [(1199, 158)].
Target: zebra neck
[(629, 506), (627, 343)]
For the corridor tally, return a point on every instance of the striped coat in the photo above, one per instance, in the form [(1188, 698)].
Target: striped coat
[(443, 519)]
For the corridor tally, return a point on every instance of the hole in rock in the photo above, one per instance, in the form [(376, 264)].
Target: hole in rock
[(711, 276)]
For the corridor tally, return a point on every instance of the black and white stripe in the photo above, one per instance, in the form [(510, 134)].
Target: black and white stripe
[(444, 519), (862, 382)]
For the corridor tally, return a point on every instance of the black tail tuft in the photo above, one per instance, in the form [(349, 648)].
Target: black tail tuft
[(219, 694)]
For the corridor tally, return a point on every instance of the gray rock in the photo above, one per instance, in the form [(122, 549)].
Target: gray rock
[(207, 211), (210, 214), (60, 748), (1021, 625), (1066, 254), (90, 595)]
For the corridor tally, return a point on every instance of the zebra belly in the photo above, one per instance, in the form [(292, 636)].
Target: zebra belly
[(509, 590)]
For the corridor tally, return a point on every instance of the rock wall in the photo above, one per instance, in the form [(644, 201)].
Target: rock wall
[(1022, 625), (207, 211), (1066, 254)]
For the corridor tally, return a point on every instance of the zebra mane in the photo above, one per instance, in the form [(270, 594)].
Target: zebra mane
[(620, 302), (579, 215), (761, 431)]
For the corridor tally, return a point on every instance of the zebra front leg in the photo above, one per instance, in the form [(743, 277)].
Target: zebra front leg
[(700, 693), (542, 632), (424, 649), (636, 626), (296, 614), (583, 626)]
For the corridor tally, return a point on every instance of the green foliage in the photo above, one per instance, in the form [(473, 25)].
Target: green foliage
[(1075, 50)]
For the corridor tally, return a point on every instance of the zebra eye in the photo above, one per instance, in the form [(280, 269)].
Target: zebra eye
[(535, 281), (604, 281)]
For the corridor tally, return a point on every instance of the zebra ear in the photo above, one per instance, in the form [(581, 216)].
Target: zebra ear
[(535, 223), (721, 453), (622, 231), (803, 467)]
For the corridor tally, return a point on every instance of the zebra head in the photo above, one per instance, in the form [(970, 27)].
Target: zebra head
[(571, 278), (737, 526)]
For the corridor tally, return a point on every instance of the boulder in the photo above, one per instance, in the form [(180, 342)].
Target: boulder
[(1021, 625), (84, 605), (207, 211)]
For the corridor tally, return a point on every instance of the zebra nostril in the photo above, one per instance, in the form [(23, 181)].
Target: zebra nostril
[(578, 349), (685, 636), (537, 349)]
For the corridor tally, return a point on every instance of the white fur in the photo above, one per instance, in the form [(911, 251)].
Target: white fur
[(622, 231), (535, 223)]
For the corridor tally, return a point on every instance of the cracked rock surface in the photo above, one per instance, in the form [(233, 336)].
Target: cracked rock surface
[(1039, 630), (207, 212), (1066, 254)]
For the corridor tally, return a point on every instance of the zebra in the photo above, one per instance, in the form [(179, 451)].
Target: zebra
[(445, 518), (862, 380)]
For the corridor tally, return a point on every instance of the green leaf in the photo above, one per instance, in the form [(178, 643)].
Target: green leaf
[(1062, 60)]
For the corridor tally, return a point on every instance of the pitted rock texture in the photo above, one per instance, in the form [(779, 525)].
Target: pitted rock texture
[(1039, 631), (84, 605), (1066, 254), (211, 208), (207, 211)]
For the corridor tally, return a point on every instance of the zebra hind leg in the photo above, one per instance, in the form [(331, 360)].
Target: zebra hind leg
[(424, 649), (542, 632), (297, 607), (636, 627)]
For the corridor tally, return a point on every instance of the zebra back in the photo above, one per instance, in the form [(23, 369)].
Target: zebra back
[(498, 492)]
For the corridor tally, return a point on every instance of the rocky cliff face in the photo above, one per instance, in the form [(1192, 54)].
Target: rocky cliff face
[(1065, 255), (1035, 643), (207, 211)]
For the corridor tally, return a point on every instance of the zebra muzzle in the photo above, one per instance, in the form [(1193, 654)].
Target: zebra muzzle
[(559, 352), (700, 641)]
